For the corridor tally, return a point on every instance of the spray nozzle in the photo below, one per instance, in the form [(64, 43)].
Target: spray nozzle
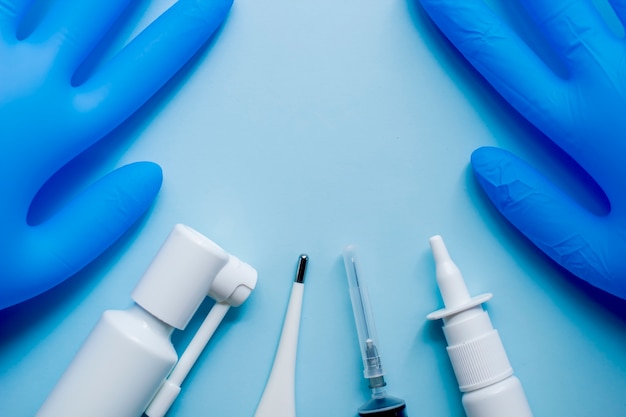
[(234, 283), (456, 297), (188, 268)]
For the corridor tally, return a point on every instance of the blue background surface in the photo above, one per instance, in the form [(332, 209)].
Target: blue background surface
[(302, 127)]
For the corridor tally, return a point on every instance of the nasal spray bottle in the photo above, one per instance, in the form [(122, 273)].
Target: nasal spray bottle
[(128, 355), (478, 358)]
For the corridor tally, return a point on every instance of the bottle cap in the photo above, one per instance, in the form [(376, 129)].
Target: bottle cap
[(180, 276)]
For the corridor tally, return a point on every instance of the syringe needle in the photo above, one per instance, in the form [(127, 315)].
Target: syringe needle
[(364, 319), (380, 404)]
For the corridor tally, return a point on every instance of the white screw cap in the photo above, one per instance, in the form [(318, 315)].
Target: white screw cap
[(180, 276)]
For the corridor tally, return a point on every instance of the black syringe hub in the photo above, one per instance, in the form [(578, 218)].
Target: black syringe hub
[(383, 407)]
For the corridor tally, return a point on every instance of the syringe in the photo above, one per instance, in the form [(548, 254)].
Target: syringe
[(380, 405)]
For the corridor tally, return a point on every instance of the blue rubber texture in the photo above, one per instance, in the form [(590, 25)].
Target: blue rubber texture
[(584, 113), (46, 122)]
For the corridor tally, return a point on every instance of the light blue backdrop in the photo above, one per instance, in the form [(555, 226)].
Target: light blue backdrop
[(305, 126)]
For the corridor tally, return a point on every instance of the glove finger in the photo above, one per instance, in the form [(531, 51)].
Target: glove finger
[(499, 54), (572, 236), (619, 6), (574, 27), (153, 57), (11, 14), (77, 26), (95, 219)]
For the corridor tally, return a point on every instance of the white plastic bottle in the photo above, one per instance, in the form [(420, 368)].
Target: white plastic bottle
[(129, 354), (478, 358)]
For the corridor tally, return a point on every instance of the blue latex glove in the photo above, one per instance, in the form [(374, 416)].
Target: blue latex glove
[(583, 113), (46, 121)]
